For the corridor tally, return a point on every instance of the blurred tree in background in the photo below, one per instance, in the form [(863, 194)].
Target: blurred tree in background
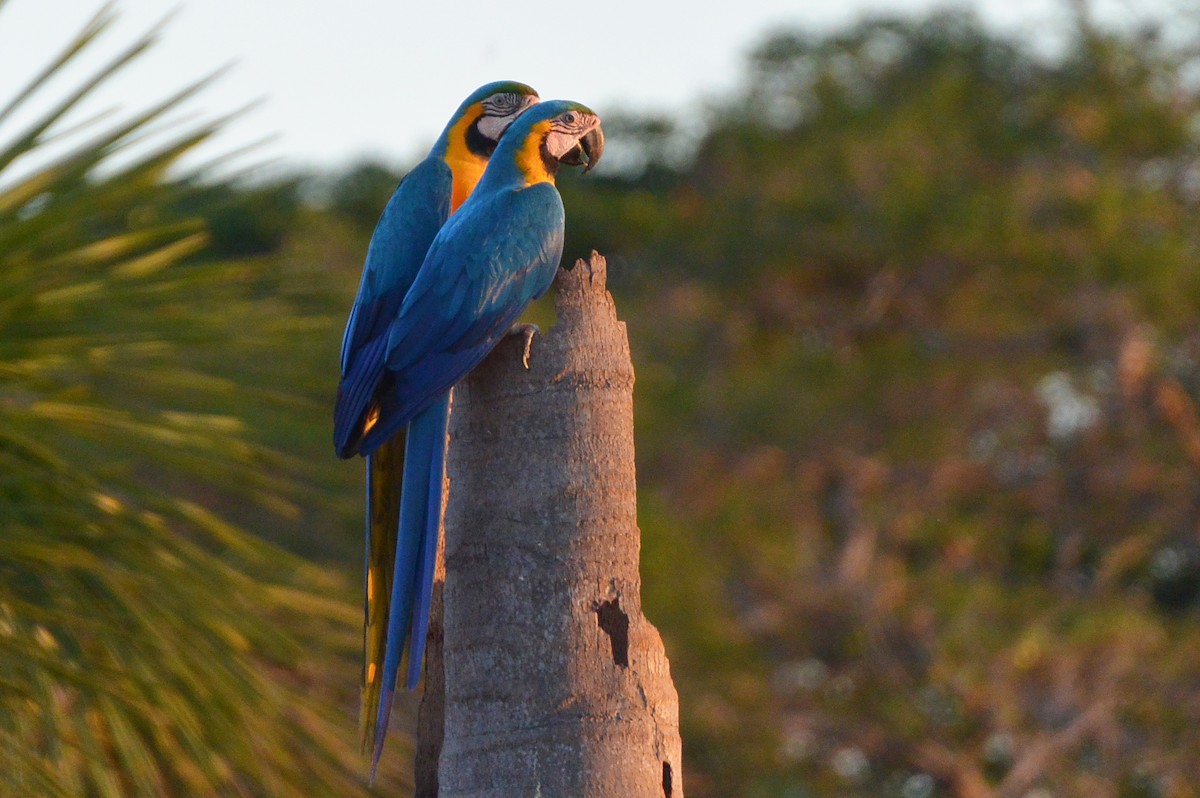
[(915, 323), (917, 344), (148, 646)]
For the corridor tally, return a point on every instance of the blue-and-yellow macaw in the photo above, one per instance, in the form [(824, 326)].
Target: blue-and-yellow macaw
[(425, 198), (494, 256)]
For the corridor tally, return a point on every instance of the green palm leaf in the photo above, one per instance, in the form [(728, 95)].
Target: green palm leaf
[(147, 645)]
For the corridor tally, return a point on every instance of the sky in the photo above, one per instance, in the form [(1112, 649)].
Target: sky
[(336, 80)]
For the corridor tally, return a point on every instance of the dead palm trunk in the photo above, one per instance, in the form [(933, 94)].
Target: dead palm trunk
[(555, 684)]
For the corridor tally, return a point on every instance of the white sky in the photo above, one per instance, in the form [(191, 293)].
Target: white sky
[(346, 78)]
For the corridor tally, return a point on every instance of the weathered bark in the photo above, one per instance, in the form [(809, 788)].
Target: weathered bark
[(555, 684)]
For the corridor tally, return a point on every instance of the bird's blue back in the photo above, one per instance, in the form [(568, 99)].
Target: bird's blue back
[(498, 253), (402, 524), (417, 210)]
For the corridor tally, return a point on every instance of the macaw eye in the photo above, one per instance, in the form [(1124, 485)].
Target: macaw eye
[(501, 104), (569, 117)]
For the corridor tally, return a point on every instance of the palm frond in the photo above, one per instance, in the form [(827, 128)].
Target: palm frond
[(148, 646)]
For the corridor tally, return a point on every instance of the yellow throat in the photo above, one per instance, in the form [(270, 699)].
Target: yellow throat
[(465, 166), (529, 157)]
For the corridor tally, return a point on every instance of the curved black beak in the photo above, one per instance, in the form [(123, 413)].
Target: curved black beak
[(592, 145), (587, 150)]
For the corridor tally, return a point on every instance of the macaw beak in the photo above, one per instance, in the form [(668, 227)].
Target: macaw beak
[(587, 151), (593, 147)]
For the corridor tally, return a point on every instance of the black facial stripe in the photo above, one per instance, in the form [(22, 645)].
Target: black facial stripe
[(478, 143), (548, 161)]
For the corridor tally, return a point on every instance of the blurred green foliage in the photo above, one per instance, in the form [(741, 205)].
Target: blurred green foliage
[(916, 337), (914, 317), (148, 645)]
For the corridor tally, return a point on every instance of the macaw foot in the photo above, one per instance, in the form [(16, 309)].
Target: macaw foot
[(526, 331)]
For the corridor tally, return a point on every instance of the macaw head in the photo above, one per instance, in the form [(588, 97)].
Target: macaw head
[(471, 135), (553, 133), (496, 106), (477, 125)]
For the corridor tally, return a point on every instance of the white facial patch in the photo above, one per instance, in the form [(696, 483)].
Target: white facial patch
[(500, 110), (566, 131), (493, 126), (559, 144)]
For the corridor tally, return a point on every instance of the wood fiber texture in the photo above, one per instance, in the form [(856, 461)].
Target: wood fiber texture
[(555, 683)]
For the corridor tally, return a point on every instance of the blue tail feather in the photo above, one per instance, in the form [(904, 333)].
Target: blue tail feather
[(416, 554), (436, 418)]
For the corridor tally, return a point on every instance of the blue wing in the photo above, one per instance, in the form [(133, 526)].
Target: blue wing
[(411, 219), (492, 258), (495, 255), (417, 210)]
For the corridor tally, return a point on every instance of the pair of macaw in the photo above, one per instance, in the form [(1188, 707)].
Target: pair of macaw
[(471, 236)]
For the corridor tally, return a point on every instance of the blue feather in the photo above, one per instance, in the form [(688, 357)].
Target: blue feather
[(416, 556), (429, 428), (499, 252), (403, 354), (414, 214), (417, 210)]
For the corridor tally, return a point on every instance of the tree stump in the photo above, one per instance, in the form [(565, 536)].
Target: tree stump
[(555, 683)]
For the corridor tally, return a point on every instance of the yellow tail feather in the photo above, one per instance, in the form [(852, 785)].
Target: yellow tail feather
[(386, 469)]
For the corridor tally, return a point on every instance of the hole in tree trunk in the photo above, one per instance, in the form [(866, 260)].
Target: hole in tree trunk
[(667, 779), (615, 623)]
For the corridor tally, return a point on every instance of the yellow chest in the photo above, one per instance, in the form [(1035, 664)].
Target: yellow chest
[(466, 174), (465, 166)]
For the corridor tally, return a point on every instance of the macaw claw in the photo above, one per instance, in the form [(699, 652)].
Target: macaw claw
[(526, 331)]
